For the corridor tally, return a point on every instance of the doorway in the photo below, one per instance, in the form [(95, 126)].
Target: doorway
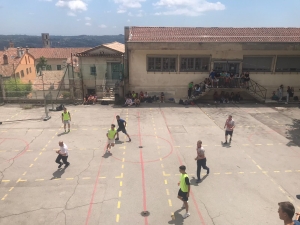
[(116, 71)]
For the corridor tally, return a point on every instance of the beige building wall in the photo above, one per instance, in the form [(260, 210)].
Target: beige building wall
[(26, 70), (176, 82), (53, 63)]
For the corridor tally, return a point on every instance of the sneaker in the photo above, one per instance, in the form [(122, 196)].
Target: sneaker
[(186, 215), (117, 139), (226, 142), (198, 181), (129, 139), (60, 164), (207, 171), (67, 165)]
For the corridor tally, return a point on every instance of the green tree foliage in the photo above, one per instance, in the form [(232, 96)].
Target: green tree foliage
[(16, 88)]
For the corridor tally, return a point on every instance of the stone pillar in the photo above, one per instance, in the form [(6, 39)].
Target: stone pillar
[(2, 89)]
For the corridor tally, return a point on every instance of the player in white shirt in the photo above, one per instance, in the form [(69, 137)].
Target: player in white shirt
[(63, 154), (229, 125)]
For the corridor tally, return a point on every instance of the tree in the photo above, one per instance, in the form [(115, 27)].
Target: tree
[(42, 64), (16, 88)]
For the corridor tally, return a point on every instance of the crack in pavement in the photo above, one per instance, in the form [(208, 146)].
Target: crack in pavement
[(212, 218), (17, 214), (13, 159)]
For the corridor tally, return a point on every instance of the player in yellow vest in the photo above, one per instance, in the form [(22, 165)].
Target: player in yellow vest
[(111, 134), (184, 191), (66, 118)]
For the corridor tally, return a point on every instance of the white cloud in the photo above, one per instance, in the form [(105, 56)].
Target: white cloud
[(102, 26), (87, 18), (130, 14), (128, 20), (114, 27), (71, 14), (88, 24), (78, 19), (45, 0), (187, 7), (125, 4), (73, 5)]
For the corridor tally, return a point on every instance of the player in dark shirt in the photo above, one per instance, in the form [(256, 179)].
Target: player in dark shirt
[(122, 125)]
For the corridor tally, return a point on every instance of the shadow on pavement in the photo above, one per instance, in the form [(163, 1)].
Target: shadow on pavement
[(178, 219), (298, 196), (193, 180), (293, 133), (63, 133), (119, 142), (228, 145), (106, 155), (58, 173)]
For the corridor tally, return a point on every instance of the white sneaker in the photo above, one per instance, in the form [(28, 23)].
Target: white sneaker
[(186, 215)]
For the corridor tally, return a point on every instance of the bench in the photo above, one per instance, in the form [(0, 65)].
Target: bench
[(168, 94)]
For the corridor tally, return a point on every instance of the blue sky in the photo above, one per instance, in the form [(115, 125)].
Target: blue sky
[(102, 17)]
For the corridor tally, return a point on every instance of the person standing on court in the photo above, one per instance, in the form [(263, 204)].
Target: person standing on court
[(201, 160), (66, 119), (111, 134), (229, 125), (184, 190), (122, 124), (63, 154)]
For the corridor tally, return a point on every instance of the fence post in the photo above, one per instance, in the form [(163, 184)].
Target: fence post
[(2, 88)]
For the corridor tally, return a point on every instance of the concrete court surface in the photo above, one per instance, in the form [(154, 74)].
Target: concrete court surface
[(248, 178)]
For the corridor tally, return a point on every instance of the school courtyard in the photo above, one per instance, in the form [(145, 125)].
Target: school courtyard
[(137, 183)]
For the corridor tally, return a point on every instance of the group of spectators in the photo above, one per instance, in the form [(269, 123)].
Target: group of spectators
[(196, 89), (133, 98), (229, 80), (90, 99), (278, 95), (225, 97)]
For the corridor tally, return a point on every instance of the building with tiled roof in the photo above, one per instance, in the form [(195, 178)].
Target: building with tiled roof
[(168, 58), (17, 62)]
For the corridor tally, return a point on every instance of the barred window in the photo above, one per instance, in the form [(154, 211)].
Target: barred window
[(192, 64), (93, 70), (164, 64), (288, 64), (257, 63)]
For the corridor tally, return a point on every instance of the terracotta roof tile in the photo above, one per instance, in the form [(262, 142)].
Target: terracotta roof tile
[(54, 53), (13, 61), (213, 34), (117, 46)]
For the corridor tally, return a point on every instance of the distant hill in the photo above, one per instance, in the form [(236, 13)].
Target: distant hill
[(58, 41)]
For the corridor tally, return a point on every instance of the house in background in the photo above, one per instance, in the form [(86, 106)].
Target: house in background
[(168, 58), (17, 63), (101, 66)]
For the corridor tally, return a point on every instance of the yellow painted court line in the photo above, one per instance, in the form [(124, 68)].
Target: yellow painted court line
[(120, 176), (253, 161), (281, 190), (40, 153), (166, 182), (102, 177), (276, 171), (16, 150), (177, 146), (120, 194), (167, 190), (24, 173), (241, 172), (228, 173), (162, 165), (117, 218), (29, 150), (258, 167), (121, 183), (119, 204), (123, 160), (95, 128), (297, 170), (39, 179), (264, 171), (46, 146), (4, 197), (21, 180), (122, 166), (86, 178), (123, 153), (269, 144), (288, 171), (35, 158), (31, 165), (160, 159), (217, 173), (170, 202), (5, 181), (204, 145), (2, 150), (11, 188), (43, 149), (257, 144), (70, 178), (165, 174)]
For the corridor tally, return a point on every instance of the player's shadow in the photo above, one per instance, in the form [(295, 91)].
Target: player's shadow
[(119, 142), (106, 155), (226, 145), (63, 133), (298, 196), (58, 173), (177, 219), (193, 180)]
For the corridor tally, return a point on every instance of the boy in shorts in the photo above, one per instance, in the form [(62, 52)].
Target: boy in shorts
[(111, 134), (122, 124), (184, 191)]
